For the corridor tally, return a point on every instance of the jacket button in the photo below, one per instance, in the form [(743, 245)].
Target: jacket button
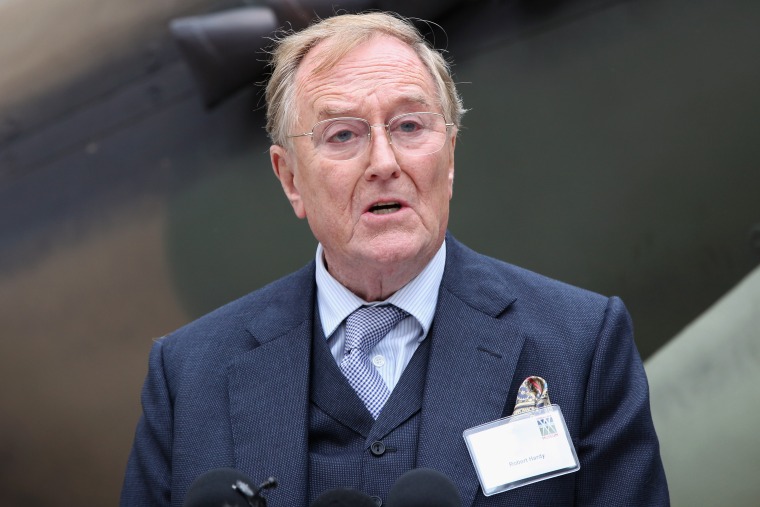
[(378, 501), (377, 448)]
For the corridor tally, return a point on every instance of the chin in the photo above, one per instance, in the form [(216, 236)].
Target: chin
[(400, 249)]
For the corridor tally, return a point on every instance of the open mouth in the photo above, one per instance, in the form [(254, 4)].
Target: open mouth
[(384, 208)]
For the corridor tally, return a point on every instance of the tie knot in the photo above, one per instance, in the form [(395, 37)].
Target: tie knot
[(366, 326)]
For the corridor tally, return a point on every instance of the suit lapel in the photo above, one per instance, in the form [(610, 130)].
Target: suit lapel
[(474, 354), (269, 396)]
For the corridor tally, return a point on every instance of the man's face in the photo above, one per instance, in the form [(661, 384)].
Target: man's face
[(376, 81)]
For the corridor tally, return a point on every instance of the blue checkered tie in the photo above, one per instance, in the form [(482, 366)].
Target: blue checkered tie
[(364, 329)]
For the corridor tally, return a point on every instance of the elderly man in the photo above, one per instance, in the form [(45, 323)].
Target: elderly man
[(376, 357)]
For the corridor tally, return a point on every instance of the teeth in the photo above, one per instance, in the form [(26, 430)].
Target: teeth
[(384, 209)]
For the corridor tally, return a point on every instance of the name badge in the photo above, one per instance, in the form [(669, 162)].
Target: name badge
[(521, 449)]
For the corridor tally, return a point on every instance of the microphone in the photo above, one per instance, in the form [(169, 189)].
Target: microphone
[(343, 498), (227, 487), (424, 487)]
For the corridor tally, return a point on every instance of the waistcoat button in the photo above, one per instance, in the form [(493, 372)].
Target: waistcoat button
[(377, 448)]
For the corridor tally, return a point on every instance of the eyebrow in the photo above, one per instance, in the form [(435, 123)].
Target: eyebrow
[(334, 112), (338, 111)]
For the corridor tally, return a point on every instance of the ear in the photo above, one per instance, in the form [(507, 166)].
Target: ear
[(451, 163), (283, 165)]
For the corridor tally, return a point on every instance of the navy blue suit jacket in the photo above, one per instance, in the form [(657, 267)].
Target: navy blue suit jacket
[(231, 389)]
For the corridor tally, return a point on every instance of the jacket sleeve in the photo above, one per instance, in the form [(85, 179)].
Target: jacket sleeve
[(148, 476), (620, 462)]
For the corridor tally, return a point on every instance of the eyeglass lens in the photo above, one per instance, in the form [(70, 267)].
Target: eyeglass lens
[(412, 134)]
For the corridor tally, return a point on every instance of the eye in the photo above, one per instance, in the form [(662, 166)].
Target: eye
[(343, 131), (407, 126), (341, 136)]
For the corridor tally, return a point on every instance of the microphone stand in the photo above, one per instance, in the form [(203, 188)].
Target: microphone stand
[(254, 497)]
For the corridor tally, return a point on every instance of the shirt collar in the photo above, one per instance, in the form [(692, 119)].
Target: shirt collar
[(418, 297)]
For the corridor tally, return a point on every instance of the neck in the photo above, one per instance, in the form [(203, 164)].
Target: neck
[(379, 282)]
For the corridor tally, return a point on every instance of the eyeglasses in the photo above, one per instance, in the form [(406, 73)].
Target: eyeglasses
[(414, 134)]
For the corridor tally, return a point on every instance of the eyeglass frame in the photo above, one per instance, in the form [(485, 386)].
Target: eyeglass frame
[(386, 127)]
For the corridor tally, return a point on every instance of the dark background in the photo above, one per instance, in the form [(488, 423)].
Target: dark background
[(610, 144)]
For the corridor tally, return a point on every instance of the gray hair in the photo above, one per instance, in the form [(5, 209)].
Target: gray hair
[(346, 32)]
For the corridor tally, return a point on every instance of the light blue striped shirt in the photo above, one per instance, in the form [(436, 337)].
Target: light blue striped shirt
[(417, 298)]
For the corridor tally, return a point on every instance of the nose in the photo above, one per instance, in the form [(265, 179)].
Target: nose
[(382, 157)]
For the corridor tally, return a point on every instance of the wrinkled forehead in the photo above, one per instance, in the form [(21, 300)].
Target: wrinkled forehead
[(382, 60), (328, 53)]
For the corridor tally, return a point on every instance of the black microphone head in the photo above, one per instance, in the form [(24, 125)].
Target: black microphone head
[(343, 498), (424, 487), (215, 489)]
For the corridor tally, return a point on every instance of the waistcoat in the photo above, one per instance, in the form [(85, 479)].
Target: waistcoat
[(347, 447)]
